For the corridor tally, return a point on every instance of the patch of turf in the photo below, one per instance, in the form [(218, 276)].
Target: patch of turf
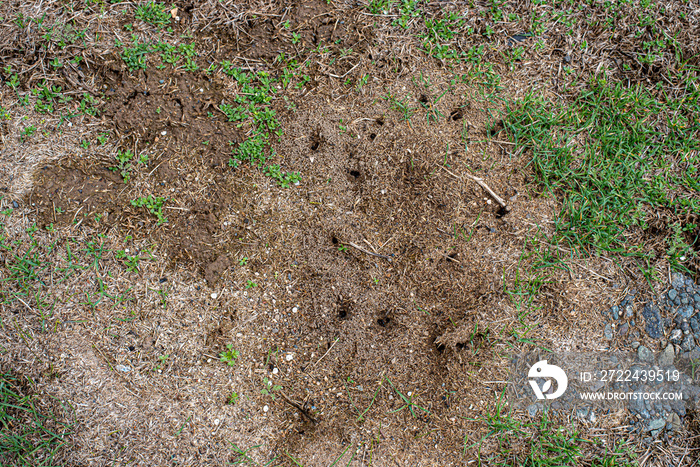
[(28, 436), (616, 157)]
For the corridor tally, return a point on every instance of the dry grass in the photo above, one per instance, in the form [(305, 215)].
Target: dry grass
[(361, 331)]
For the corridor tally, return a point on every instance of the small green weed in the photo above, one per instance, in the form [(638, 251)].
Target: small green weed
[(154, 205), (229, 356)]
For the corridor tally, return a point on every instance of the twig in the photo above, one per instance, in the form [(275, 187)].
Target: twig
[(329, 349), (483, 185), (369, 252), (298, 407)]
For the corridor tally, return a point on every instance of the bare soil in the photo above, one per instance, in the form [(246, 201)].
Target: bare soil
[(384, 273)]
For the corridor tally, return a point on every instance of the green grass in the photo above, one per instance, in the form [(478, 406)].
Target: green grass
[(616, 156), (510, 441), (29, 436), (157, 14)]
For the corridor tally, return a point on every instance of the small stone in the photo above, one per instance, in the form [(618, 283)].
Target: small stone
[(694, 324), (672, 294), (645, 354), (652, 315), (214, 295), (696, 297), (675, 422), (615, 313), (655, 425), (688, 343), (532, 409), (266, 408), (289, 357), (685, 327), (161, 81), (123, 368), (582, 413), (275, 371), (217, 421), (667, 356), (15, 204), (163, 133), (608, 332), (629, 311), (677, 280), (634, 345), (686, 311), (623, 329)]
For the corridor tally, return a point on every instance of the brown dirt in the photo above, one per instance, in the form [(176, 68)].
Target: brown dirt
[(274, 272)]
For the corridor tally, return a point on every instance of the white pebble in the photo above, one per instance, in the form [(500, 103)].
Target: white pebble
[(214, 295), (266, 408), (275, 371), (216, 421), (163, 133), (289, 357)]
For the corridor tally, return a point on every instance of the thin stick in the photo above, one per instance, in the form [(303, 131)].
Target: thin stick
[(368, 252), (329, 349), (298, 407), (483, 185)]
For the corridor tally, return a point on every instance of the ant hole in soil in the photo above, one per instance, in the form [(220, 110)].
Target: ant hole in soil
[(383, 322), (372, 136), (379, 120), (334, 240), (355, 173), (423, 99), (456, 115), (501, 212)]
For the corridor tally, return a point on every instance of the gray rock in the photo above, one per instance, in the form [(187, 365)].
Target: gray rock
[(645, 354), (15, 204), (696, 297), (667, 356), (634, 345), (672, 294), (694, 324), (677, 280), (686, 311), (629, 311), (122, 368), (615, 313), (654, 326), (582, 413), (608, 332), (532, 409), (675, 422), (688, 343), (623, 329), (656, 424)]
